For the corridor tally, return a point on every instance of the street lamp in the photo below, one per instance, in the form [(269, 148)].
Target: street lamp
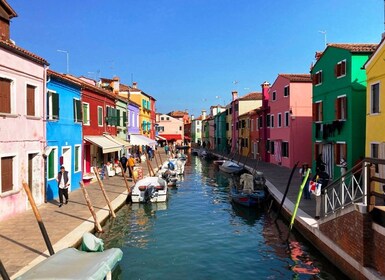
[(324, 33), (68, 58)]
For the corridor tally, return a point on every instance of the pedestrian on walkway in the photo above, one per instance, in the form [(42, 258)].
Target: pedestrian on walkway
[(63, 184), (322, 178), (123, 161), (130, 164), (303, 171)]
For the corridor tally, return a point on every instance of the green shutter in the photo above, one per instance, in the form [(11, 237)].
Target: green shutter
[(124, 118), (55, 106), (77, 110), (108, 117), (51, 164), (118, 117), (76, 158)]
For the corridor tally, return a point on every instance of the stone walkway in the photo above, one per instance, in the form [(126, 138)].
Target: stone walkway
[(22, 245)]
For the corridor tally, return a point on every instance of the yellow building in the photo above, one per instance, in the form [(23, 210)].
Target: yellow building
[(244, 134), (375, 107), (145, 121)]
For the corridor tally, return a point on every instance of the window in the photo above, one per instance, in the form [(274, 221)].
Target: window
[(274, 96), (168, 118), (77, 104), (375, 98), (374, 153), (317, 78), (340, 69), (162, 118), (279, 119), (52, 105), (124, 118), (271, 121), (180, 128), (86, 114), (287, 114), (52, 163), (251, 125), (31, 111), (100, 116), (236, 107), (267, 120), (285, 149), (339, 152), (7, 174), (268, 145), (317, 111), (271, 147), (112, 116), (5, 95), (260, 122), (286, 91), (77, 158), (341, 108), (227, 126), (117, 117)]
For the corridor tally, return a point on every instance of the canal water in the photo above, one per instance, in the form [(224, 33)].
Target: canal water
[(199, 234)]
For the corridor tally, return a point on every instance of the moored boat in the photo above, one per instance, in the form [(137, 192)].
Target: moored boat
[(149, 189), (247, 192), (230, 167)]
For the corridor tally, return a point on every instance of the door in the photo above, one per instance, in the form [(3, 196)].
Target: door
[(328, 158)]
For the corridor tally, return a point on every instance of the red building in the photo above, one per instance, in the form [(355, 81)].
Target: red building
[(98, 112)]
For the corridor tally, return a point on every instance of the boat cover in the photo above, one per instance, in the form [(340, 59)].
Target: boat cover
[(229, 163), (71, 263), (247, 181), (91, 243)]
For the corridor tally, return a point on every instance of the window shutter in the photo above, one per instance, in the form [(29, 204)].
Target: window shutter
[(55, 106), (345, 100), (5, 95), (6, 174), (118, 122), (30, 100), (124, 119), (336, 70), (343, 67), (337, 108)]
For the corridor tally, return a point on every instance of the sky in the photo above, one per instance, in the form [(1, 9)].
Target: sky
[(191, 54)]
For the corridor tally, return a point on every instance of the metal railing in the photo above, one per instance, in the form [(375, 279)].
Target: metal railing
[(355, 186)]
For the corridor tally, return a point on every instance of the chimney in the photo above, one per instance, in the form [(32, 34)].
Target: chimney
[(115, 85), (192, 117), (265, 93), (203, 115), (5, 22), (134, 84), (234, 94)]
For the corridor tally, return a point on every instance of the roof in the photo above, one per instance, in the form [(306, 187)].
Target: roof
[(177, 114), (123, 87), (22, 52), (90, 86), (252, 96), (375, 52), (297, 77), (355, 48), (62, 77), (11, 12)]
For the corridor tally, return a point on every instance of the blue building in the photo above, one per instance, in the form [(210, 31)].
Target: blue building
[(64, 132)]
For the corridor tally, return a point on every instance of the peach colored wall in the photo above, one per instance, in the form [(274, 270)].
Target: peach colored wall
[(171, 126), (21, 135), (298, 133)]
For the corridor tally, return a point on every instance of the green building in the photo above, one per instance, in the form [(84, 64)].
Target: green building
[(220, 132), (339, 100)]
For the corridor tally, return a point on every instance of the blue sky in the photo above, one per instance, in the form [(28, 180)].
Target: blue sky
[(188, 53)]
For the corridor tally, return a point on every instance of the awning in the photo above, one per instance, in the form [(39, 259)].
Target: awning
[(118, 140), (160, 138), (107, 145), (137, 139), (172, 136)]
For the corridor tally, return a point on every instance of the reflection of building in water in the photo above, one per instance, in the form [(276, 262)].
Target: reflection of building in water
[(275, 235)]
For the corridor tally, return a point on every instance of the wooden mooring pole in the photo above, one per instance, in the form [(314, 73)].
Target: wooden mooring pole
[(125, 178), (92, 210), (160, 158), (150, 170), (101, 185), (38, 218)]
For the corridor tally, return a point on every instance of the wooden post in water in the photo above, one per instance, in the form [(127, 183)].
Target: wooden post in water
[(150, 170), (156, 161), (101, 185), (92, 210), (132, 172), (125, 179), (38, 218)]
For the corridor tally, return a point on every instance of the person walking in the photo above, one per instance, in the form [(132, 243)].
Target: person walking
[(63, 184), (130, 164), (303, 171), (123, 161)]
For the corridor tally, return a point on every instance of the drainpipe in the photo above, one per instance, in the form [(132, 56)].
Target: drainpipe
[(45, 82)]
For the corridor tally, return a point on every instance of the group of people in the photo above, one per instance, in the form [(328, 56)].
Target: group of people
[(127, 162), (321, 177)]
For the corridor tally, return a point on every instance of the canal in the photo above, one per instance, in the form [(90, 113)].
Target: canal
[(199, 234)]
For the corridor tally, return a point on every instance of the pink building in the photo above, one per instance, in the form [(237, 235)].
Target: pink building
[(290, 120), (22, 112)]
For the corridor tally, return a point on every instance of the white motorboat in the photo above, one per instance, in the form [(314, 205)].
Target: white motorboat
[(149, 189), (230, 167)]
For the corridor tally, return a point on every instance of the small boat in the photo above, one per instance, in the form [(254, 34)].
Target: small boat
[(71, 263), (219, 161), (230, 167), (149, 189), (247, 192)]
